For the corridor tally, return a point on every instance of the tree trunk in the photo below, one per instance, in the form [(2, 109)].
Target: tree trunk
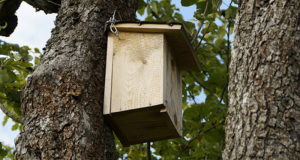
[(62, 100), (264, 92)]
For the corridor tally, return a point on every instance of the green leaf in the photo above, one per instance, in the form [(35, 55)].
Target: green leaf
[(37, 61), (188, 2), (36, 50), (141, 4), (214, 3), (12, 76), (141, 7), (221, 32), (15, 127), (201, 7), (231, 27), (149, 10), (9, 152), (3, 152), (26, 48), (17, 108), (154, 7), (5, 120), (4, 77), (18, 57), (230, 13), (141, 11), (21, 128), (209, 28), (149, 18), (181, 141)]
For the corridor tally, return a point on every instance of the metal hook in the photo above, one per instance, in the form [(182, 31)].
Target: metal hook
[(112, 21)]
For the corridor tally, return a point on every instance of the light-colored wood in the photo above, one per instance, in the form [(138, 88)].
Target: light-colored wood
[(137, 70), (148, 28), (174, 90), (108, 74), (143, 89), (185, 55)]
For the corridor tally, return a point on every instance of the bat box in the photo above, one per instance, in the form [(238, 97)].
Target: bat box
[(143, 83)]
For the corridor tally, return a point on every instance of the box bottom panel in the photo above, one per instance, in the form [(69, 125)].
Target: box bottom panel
[(142, 125)]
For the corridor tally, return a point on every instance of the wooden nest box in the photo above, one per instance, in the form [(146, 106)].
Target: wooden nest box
[(143, 84)]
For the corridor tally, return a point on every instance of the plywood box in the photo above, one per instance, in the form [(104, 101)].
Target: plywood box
[(143, 84)]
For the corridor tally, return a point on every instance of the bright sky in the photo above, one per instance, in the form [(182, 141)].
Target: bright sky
[(33, 30)]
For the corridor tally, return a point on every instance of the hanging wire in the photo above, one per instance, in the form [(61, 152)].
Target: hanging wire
[(112, 21)]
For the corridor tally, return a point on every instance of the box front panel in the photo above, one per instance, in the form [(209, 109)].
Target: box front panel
[(137, 71)]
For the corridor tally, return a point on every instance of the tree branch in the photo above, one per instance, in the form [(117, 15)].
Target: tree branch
[(220, 157), (176, 158), (222, 94), (203, 36), (10, 115), (154, 14), (207, 27), (205, 11), (193, 97), (200, 83), (48, 6)]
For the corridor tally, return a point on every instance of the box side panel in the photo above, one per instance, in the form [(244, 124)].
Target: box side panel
[(137, 71), (108, 74), (174, 91)]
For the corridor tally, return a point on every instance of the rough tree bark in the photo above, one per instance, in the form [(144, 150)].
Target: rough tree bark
[(264, 92), (62, 100)]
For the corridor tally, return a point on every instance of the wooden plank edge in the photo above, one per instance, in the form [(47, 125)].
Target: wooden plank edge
[(149, 28), (158, 106), (197, 68), (108, 74)]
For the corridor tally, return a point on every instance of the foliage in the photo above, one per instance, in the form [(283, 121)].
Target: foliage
[(6, 152), (203, 122), (14, 69)]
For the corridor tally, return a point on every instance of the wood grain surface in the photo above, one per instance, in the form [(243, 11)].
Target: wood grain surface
[(137, 70)]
